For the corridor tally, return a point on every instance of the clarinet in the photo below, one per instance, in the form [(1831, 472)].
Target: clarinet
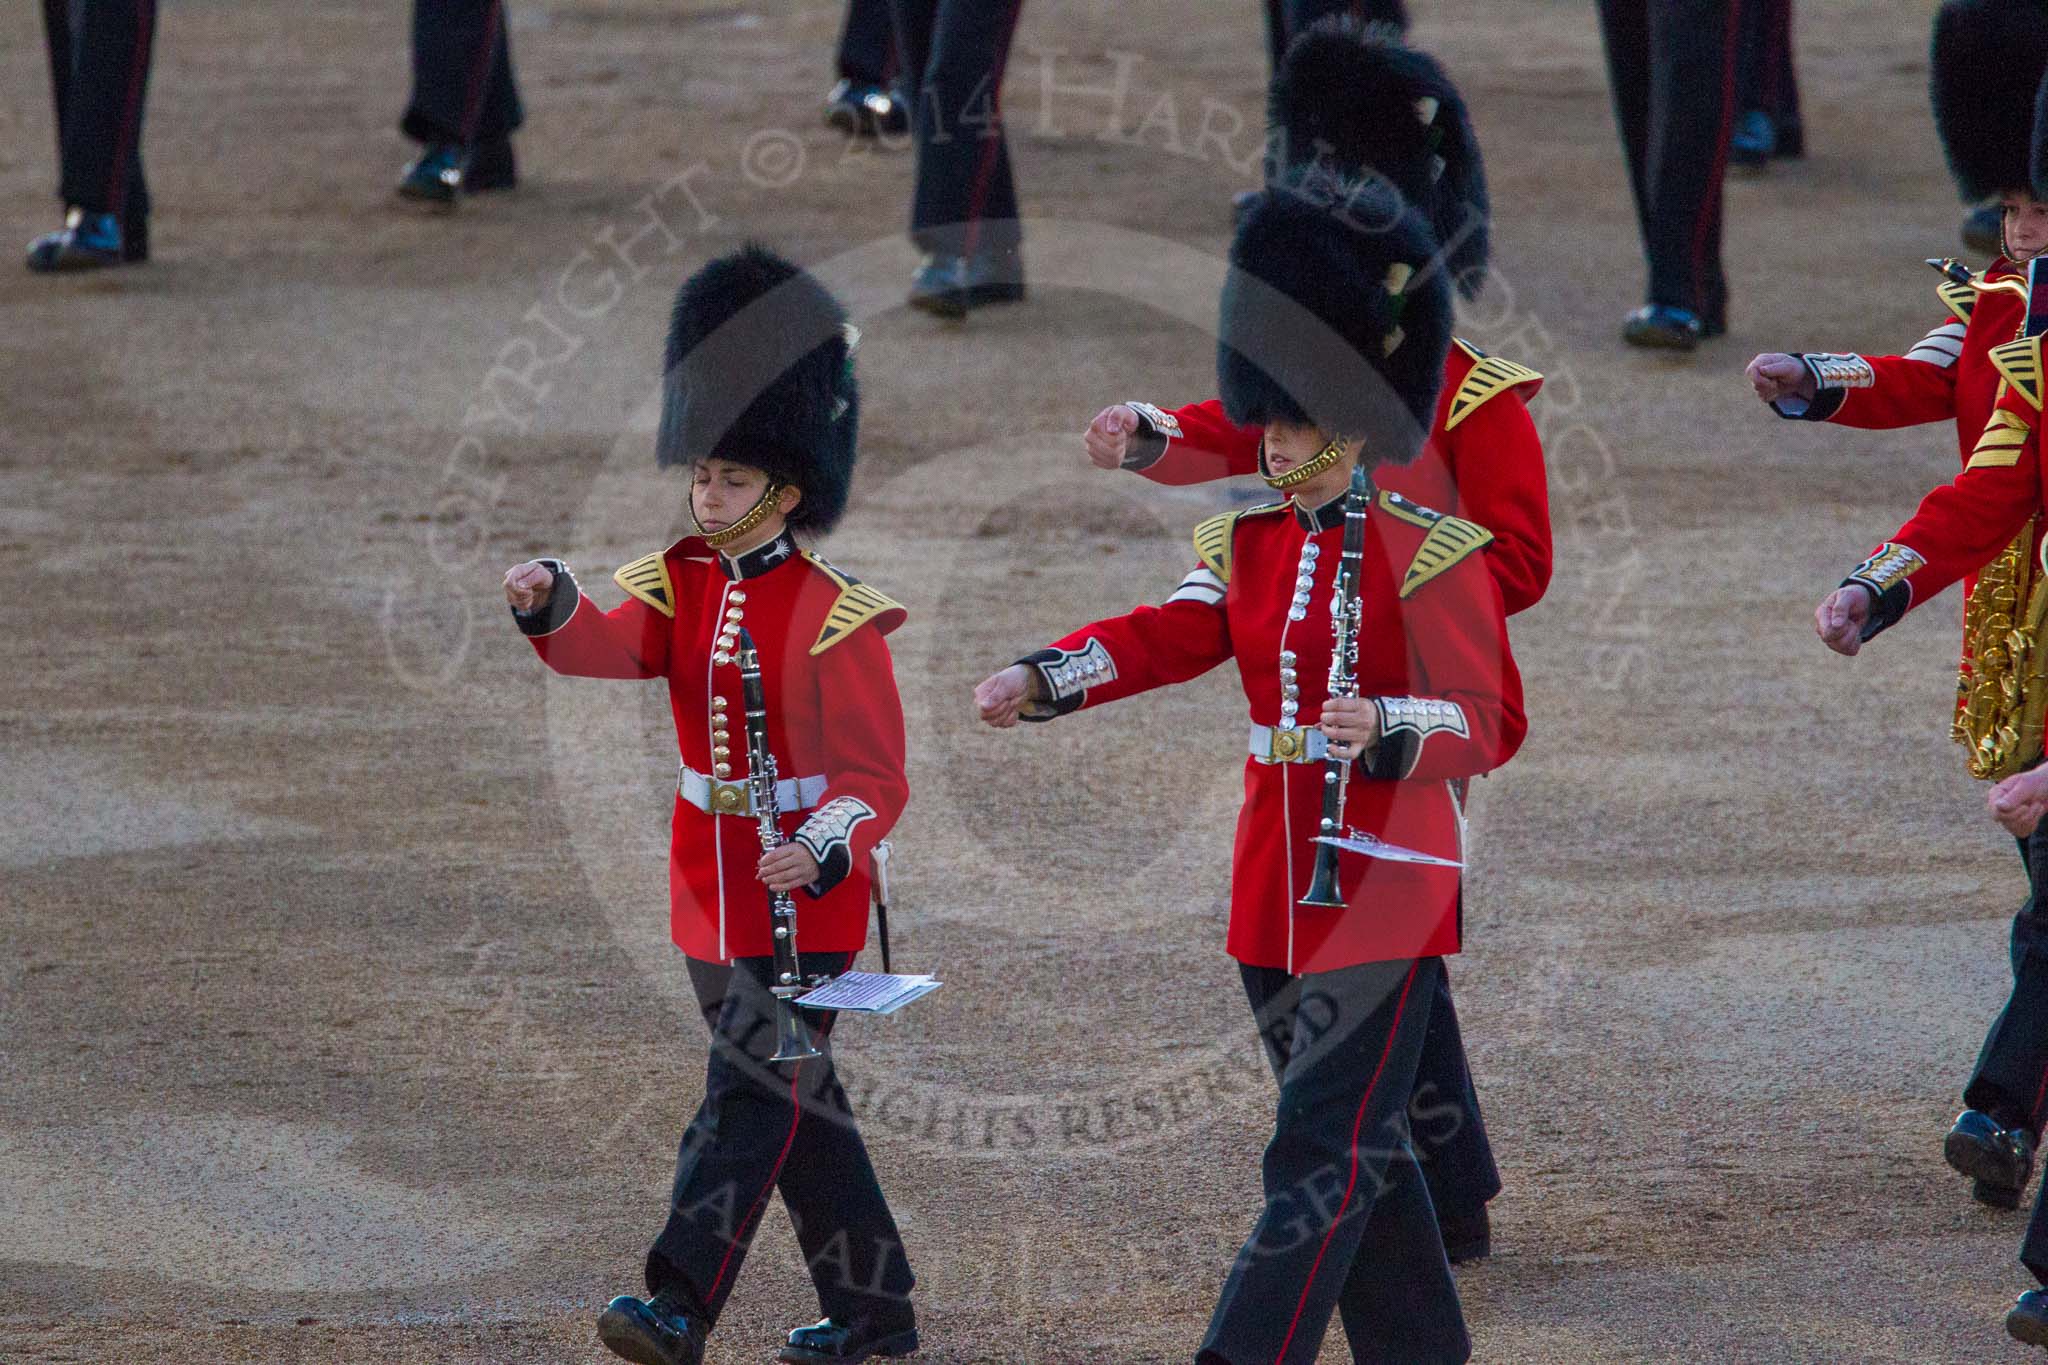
[(792, 1035), (1346, 614)]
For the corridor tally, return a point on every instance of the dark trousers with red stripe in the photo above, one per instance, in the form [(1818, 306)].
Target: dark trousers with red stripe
[(1446, 1128), (2010, 1082), (764, 1128), (954, 54), (1671, 64), (867, 44), (462, 84), (1348, 1227), (1765, 78), (99, 76)]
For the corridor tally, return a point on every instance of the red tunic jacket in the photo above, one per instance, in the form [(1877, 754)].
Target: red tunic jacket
[(1433, 649), (835, 725), (1483, 461), (1964, 524), (1950, 375)]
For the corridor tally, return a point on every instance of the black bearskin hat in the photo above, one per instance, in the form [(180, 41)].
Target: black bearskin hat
[(1985, 66), (759, 371), (1356, 97), (1333, 315)]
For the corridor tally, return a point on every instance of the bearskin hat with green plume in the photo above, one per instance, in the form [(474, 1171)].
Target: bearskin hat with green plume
[(1984, 73), (1356, 97)]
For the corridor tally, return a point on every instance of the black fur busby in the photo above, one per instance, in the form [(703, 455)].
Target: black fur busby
[(1984, 70), (759, 371), (1358, 98), (1332, 315)]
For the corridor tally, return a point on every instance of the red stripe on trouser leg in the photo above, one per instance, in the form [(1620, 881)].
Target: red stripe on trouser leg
[(1357, 1122), (1710, 207), (796, 1114), (131, 110), (990, 146), (479, 71)]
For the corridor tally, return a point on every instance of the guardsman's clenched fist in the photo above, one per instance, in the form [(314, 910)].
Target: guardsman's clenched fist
[(1775, 375), (1109, 436), (528, 586)]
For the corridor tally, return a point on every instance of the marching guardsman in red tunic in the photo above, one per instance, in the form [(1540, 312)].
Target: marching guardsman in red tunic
[(1399, 117), (1978, 369), (761, 409), (1359, 101), (1333, 333), (1987, 522)]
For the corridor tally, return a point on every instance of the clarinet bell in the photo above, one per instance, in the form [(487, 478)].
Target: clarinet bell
[(792, 1035)]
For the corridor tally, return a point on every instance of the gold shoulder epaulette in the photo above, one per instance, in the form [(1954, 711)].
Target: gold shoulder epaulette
[(2005, 435), (1489, 377), (1213, 536), (2020, 363), (1450, 539), (856, 605), (1958, 298), (647, 579)]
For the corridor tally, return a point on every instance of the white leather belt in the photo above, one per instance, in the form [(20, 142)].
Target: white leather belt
[(1303, 745), (715, 796)]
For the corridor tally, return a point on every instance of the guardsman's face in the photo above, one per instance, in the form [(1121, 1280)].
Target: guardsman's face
[(721, 492), (2026, 226), (1289, 446)]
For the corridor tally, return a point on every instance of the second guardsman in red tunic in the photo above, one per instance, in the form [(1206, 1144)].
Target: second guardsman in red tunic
[(1990, 57), (1332, 340), (761, 408), (1357, 99), (1984, 529)]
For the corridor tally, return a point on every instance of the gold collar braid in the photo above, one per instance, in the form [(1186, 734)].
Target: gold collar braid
[(1302, 473), (749, 522)]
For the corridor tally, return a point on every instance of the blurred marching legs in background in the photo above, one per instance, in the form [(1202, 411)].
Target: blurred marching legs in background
[(99, 75), (963, 214), (865, 102), (465, 102)]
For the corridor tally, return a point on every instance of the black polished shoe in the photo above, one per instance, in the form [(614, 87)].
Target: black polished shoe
[(1998, 1159), (949, 286), (87, 241), (491, 166), (2028, 1320), (829, 1339), (1241, 203), (656, 1331), (1984, 230), (858, 109), (436, 177), (1660, 327), (1467, 1236), (1754, 141)]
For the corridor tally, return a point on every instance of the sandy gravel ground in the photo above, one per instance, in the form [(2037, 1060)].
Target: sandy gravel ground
[(336, 1019)]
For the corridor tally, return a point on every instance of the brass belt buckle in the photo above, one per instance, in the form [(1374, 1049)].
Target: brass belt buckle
[(728, 798), (1287, 746)]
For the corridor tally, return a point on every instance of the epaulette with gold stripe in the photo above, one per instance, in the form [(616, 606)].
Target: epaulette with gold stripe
[(856, 605), (1489, 377), (1213, 536), (1958, 298), (647, 579), (1450, 539), (2020, 363), (1999, 447)]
